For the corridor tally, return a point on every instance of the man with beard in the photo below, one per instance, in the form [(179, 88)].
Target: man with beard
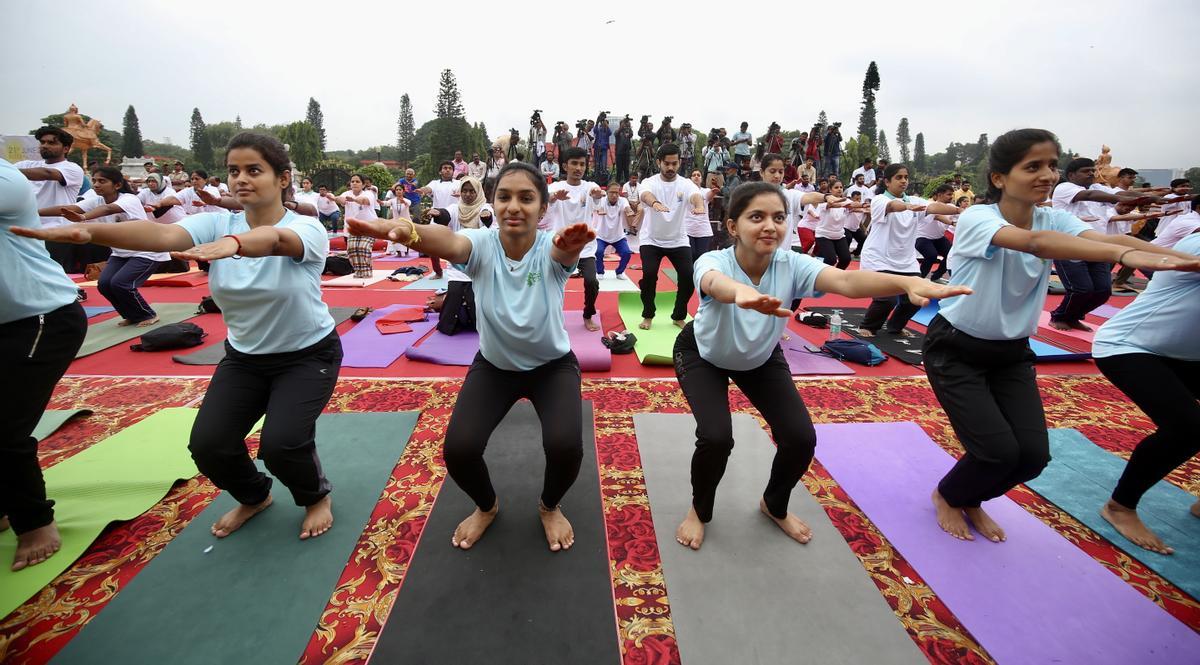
[(666, 198), (56, 183)]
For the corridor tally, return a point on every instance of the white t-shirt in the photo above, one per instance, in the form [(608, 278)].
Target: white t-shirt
[(795, 211), (1180, 227), (630, 193), (699, 226), (929, 227), (49, 193), (801, 187), (357, 210), (149, 198), (310, 197), (831, 222), (399, 206), (867, 193), (223, 188), (666, 230), (1063, 199), (191, 202), (456, 224), (443, 194), (867, 174), (326, 206), (854, 220), (610, 218), (891, 244), (131, 208), (572, 210)]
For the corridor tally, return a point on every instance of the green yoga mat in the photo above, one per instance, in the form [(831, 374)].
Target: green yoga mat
[(1080, 479), (52, 420), (255, 596), (107, 333), (656, 345), (672, 273), (116, 479)]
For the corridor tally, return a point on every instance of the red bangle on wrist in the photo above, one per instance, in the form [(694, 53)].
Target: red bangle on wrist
[(238, 253)]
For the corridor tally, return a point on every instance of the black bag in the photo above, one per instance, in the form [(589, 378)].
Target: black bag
[(619, 342), (813, 319), (171, 336), (458, 309), (338, 265), (208, 306)]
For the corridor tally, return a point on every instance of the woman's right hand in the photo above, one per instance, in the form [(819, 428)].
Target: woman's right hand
[(71, 233), (1139, 259), (749, 298), (378, 228)]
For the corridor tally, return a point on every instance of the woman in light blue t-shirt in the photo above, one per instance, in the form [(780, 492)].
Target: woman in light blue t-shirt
[(976, 351), (519, 275), (282, 355), (736, 336)]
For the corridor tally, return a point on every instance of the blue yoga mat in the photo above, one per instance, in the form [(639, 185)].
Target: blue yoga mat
[(97, 310), (924, 316), (1044, 351), (1081, 477)]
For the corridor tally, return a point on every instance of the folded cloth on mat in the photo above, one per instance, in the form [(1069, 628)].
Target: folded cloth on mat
[(397, 321)]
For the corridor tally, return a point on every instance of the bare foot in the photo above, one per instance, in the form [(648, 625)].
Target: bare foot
[(234, 519), (863, 332), (951, 519), (4, 524), (691, 531), (905, 332), (124, 322), (645, 324), (985, 525), (791, 525), (1128, 524), (470, 530), (318, 518), (147, 323), (559, 533), (34, 547), (679, 324), (1196, 509), (1060, 325), (590, 325), (1080, 325)]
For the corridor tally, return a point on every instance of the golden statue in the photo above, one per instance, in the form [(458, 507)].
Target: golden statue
[(87, 136), (1106, 173)]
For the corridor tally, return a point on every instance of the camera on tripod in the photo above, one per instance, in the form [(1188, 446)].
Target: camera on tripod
[(774, 127), (536, 118), (581, 125)]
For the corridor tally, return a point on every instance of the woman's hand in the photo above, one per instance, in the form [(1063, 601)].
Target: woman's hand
[(572, 239), (74, 235), (382, 229), (1151, 261), (208, 197), (916, 207), (71, 214), (222, 248), (749, 298), (921, 290)]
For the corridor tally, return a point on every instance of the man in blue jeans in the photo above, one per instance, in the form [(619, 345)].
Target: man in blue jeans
[(600, 149)]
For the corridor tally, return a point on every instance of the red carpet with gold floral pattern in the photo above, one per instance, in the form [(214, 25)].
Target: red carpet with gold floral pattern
[(358, 606)]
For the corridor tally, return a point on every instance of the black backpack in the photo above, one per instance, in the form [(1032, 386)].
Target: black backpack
[(208, 306), (458, 309), (619, 342), (338, 265), (171, 336)]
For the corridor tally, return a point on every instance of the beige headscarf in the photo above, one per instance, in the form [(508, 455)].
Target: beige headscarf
[(468, 215)]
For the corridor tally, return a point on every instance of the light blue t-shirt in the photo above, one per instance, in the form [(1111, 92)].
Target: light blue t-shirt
[(1009, 286), (1163, 320), (741, 339), (271, 304), (519, 304), (33, 283)]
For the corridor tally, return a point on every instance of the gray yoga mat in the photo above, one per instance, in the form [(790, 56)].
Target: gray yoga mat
[(52, 420), (751, 594), (107, 333), (213, 354)]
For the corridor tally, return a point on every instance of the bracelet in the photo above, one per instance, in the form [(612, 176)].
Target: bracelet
[(414, 236), (238, 253), (1121, 258)]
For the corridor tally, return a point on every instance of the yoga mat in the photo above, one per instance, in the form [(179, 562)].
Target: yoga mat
[(904, 349), (924, 316), (1047, 352), (427, 283), (654, 346), (1080, 479), (593, 356), (1055, 286), (352, 281), (179, 279), (52, 420), (612, 285), (116, 479), (442, 349), (1036, 598), (107, 333), (365, 346), (749, 584), (509, 599), (255, 596), (1044, 321), (213, 354), (803, 362), (672, 273), (1105, 311), (97, 311)]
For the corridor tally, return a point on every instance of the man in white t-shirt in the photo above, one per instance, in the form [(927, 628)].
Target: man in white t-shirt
[(443, 192), (569, 204), (666, 198), (56, 182), (630, 191), (867, 171)]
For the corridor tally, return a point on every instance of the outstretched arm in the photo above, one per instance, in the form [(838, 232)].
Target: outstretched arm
[(868, 284), (1093, 246), (432, 239), (140, 236), (262, 241), (722, 288), (44, 173), (569, 242)]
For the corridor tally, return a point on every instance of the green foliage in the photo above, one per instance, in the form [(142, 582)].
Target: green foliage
[(884, 151), (219, 134), (107, 137), (304, 144), (449, 101), (405, 131), (448, 135), (866, 119), (331, 173), (903, 139), (131, 135), (425, 168), (853, 154), (314, 117), (202, 147), (920, 159), (1193, 174), (379, 175), (822, 119), (169, 151), (933, 183)]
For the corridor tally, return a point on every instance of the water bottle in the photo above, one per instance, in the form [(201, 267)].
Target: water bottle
[(835, 324)]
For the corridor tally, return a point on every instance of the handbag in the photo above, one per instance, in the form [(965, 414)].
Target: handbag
[(852, 350)]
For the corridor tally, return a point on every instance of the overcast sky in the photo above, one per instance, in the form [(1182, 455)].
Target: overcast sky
[(1110, 72)]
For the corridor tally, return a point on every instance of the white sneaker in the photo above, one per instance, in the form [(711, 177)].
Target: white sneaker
[(603, 275), (621, 275)]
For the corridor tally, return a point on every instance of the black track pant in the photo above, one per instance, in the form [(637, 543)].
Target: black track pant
[(291, 390), (487, 395), (1166, 390), (989, 391), (895, 310), (770, 389), (34, 354), (834, 252), (681, 258), (591, 285)]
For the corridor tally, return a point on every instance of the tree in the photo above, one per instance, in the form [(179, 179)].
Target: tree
[(202, 149), (315, 118), (237, 122), (866, 119), (902, 140), (919, 153), (219, 133), (1192, 174), (406, 139), (131, 135), (884, 151), (448, 135), (304, 144), (379, 175), (449, 102), (822, 119)]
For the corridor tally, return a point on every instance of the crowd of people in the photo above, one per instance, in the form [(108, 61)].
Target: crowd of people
[(738, 226)]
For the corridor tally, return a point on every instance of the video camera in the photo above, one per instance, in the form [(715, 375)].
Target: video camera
[(536, 118), (774, 127), (581, 125), (602, 117)]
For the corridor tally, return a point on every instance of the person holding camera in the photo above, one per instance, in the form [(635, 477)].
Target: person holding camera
[(687, 148), (715, 156), (562, 141), (603, 136), (774, 139), (666, 133), (833, 149), (742, 140), (537, 137), (624, 149)]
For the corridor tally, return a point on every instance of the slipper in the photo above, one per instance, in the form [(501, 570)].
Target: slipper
[(360, 314)]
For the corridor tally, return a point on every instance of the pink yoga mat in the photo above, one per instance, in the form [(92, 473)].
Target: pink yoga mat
[(440, 349), (804, 362), (1036, 598), (1106, 311), (365, 346), (592, 354), (1044, 321)]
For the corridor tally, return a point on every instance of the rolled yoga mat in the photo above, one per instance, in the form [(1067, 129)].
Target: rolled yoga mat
[(365, 346), (115, 479), (749, 584), (1036, 598), (655, 346), (593, 356), (52, 420), (1081, 478), (904, 349), (806, 363), (107, 333), (213, 354), (509, 599), (442, 349), (255, 596)]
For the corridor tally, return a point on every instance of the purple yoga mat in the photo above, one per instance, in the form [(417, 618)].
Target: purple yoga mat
[(803, 362), (442, 349), (1036, 598), (592, 354), (365, 346), (1106, 311)]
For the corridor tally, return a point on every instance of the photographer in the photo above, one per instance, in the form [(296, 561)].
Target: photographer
[(774, 139), (645, 162), (585, 138), (646, 129), (537, 137), (562, 141), (666, 134), (603, 136), (833, 149), (715, 156), (687, 148), (495, 162), (514, 142), (624, 144)]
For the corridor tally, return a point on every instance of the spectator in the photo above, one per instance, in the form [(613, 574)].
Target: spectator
[(476, 168), (812, 150), (495, 162), (179, 176), (879, 173), (537, 141), (741, 146), (715, 156), (460, 166), (964, 190), (550, 170), (687, 148), (805, 185), (666, 133), (833, 148), (809, 169), (603, 137), (327, 210), (562, 140), (624, 150), (867, 171)]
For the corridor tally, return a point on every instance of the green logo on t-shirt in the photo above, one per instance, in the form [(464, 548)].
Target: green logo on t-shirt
[(532, 278)]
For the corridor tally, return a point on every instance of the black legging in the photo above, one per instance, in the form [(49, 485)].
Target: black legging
[(834, 252), (1166, 390), (591, 285), (681, 258), (859, 236), (487, 395), (989, 391), (895, 310), (770, 389), (930, 249)]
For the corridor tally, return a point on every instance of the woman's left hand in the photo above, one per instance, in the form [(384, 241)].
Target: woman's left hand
[(921, 290), (222, 248), (574, 237)]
